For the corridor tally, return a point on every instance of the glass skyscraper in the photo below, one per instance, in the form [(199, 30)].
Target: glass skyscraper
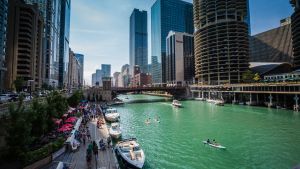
[(3, 28), (167, 15), (64, 43), (138, 40), (106, 70), (80, 58)]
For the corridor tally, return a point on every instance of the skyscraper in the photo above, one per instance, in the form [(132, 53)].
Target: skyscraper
[(80, 58), (167, 15), (93, 79), (138, 40), (221, 40), (106, 70), (295, 32), (180, 67), (24, 44), (51, 11), (3, 29), (64, 42), (99, 76)]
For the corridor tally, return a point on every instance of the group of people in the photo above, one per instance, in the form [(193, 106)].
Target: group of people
[(211, 142), (156, 119)]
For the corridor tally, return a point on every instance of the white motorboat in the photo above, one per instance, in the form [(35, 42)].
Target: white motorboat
[(200, 99), (176, 103), (115, 131), (219, 102), (214, 145), (112, 115), (131, 153)]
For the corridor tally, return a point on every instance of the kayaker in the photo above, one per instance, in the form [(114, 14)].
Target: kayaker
[(208, 141)]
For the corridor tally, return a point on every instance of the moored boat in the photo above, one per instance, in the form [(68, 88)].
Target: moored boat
[(200, 99), (131, 153), (219, 102), (115, 131), (112, 115), (214, 145), (176, 103)]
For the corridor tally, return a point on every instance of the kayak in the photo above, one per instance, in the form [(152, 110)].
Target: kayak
[(215, 146)]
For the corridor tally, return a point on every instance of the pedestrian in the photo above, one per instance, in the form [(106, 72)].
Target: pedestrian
[(108, 141), (95, 149)]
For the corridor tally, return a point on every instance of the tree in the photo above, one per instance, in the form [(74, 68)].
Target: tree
[(18, 130), (256, 77), (19, 83), (74, 100), (248, 76)]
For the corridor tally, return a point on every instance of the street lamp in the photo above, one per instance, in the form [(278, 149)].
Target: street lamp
[(30, 85), (53, 84)]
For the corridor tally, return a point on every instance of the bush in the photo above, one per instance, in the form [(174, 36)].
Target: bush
[(74, 100), (43, 152)]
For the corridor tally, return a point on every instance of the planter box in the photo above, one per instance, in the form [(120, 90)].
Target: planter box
[(40, 163)]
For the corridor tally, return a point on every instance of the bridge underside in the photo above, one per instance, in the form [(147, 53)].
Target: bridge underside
[(177, 92)]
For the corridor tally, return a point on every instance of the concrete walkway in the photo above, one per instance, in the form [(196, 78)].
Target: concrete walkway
[(106, 159)]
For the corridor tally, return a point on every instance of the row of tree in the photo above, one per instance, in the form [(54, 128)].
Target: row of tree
[(26, 126)]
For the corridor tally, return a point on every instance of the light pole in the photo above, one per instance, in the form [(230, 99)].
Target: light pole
[(53, 84)]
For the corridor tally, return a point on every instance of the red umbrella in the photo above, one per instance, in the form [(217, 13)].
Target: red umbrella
[(68, 125), (63, 129), (71, 120)]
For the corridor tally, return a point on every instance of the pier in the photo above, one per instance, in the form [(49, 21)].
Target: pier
[(77, 160), (279, 95)]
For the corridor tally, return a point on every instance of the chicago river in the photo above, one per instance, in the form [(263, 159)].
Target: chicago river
[(255, 137)]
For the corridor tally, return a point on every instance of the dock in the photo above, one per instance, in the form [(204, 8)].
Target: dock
[(77, 160)]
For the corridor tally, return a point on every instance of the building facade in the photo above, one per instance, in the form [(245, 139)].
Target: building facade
[(116, 79), (93, 79), (274, 45), (221, 40), (3, 31), (138, 40), (167, 15), (24, 44), (125, 76), (64, 33), (99, 76), (106, 70), (180, 67), (295, 32), (74, 72), (80, 58)]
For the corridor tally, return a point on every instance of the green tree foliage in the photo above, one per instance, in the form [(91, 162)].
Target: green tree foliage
[(75, 98), (19, 83), (18, 130), (248, 76)]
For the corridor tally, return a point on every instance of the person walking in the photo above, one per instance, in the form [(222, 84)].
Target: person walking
[(95, 149)]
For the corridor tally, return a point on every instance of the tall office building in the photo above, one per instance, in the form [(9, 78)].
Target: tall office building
[(295, 32), (180, 67), (221, 40), (80, 58), (99, 76), (106, 70), (93, 79), (64, 42), (274, 45), (116, 79), (51, 11), (138, 40), (24, 44), (3, 29), (167, 15)]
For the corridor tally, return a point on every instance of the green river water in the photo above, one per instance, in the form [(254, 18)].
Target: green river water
[(255, 137)]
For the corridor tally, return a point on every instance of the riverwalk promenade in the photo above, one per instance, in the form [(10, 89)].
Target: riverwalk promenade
[(77, 160)]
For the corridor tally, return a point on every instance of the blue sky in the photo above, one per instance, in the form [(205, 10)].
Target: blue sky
[(100, 28)]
